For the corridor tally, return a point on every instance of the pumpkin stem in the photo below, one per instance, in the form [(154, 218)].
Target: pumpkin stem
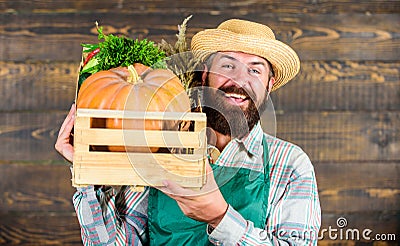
[(133, 77)]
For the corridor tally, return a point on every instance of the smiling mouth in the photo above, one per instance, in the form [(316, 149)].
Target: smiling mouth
[(236, 98)]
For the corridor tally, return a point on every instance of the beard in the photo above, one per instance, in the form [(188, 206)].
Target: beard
[(230, 119)]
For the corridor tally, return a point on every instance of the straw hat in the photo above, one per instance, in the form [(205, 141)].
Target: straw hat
[(252, 38)]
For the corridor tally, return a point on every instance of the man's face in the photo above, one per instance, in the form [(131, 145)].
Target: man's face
[(237, 92)]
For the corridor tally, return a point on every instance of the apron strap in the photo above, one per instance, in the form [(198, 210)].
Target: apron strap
[(266, 159)]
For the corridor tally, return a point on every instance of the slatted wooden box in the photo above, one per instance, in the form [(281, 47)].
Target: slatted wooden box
[(184, 162)]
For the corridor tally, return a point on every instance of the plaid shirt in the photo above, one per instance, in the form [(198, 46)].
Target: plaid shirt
[(293, 216)]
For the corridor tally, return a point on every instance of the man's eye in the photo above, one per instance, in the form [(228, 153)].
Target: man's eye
[(230, 66), (255, 71)]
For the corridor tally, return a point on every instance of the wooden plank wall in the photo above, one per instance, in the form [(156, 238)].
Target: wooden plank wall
[(343, 109)]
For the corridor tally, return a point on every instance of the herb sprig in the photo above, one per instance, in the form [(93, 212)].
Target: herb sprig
[(181, 60)]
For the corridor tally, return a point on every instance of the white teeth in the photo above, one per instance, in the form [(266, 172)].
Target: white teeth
[(234, 95)]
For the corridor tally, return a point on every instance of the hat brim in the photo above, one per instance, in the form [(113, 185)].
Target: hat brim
[(284, 60)]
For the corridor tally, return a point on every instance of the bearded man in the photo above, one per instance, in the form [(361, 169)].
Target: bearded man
[(260, 190)]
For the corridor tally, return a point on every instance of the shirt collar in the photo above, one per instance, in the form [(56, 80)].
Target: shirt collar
[(252, 142)]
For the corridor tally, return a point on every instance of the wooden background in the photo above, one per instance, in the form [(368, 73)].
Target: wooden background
[(343, 108)]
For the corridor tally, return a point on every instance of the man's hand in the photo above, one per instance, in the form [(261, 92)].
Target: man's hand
[(207, 205), (63, 145)]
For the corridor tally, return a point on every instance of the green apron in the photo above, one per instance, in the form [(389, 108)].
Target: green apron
[(246, 194)]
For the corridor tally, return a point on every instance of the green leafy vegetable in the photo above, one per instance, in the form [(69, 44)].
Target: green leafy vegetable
[(121, 51)]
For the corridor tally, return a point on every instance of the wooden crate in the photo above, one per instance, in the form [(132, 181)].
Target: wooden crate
[(186, 167)]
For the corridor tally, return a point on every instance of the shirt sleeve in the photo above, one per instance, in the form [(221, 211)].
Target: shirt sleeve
[(104, 225), (293, 219)]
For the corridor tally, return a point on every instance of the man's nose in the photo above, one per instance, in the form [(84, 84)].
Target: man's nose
[(240, 77)]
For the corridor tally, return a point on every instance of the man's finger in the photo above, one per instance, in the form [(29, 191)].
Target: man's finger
[(67, 121), (171, 188)]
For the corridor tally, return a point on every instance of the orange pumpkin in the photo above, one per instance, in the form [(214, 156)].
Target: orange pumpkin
[(137, 88)]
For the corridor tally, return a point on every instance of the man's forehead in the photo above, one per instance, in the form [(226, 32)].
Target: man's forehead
[(245, 58)]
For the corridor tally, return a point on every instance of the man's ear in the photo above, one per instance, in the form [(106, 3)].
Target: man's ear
[(271, 82), (204, 75)]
